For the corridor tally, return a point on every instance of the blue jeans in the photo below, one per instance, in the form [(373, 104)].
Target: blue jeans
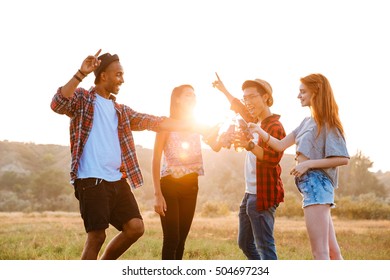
[(256, 230)]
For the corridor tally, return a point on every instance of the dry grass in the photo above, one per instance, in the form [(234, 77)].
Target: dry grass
[(60, 235)]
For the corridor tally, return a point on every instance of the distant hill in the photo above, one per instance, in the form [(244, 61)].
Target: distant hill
[(26, 169), (28, 158), (223, 180)]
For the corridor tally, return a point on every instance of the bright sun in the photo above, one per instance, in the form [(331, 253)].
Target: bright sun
[(211, 113)]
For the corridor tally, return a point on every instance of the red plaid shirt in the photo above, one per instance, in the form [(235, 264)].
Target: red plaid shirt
[(80, 110), (269, 183)]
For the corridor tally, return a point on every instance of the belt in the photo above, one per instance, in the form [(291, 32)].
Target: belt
[(89, 181)]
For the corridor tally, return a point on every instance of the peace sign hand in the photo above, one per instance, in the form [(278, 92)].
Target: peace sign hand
[(90, 63)]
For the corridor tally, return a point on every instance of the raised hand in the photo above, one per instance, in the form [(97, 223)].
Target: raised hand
[(241, 140), (254, 128), (300, 169), (90, 63), (226, 139), (218, 84)]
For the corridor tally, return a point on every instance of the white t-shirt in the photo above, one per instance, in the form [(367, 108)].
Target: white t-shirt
[(101, 156), (250, 169)]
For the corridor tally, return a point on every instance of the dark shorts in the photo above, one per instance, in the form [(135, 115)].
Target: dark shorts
[(103, 203)]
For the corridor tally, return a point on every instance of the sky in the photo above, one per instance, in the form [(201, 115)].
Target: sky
[(162, 44)]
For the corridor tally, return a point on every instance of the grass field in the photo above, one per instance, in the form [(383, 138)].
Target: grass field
[(58, 236)]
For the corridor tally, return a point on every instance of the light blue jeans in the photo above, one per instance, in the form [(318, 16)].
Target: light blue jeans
[(256, 230)]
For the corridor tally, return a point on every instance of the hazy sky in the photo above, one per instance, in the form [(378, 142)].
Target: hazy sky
[(163, 44)]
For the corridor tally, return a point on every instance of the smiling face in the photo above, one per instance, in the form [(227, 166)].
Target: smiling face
[(304, 95), (183, 101), (112, 78), (256, 103), (186, 101)]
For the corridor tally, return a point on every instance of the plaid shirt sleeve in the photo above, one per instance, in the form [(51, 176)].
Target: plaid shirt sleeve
[(80, 124), (240, 108), (129, 121), (66, 106), (268, 171), (141, 121), (271, 157)]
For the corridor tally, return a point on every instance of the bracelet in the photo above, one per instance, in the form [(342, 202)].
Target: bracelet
[(77, 78), (269, 138), (250, 146), (84, 75)]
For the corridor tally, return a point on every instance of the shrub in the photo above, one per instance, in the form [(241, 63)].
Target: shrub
[(10, 202), (214, 209), (365, 206), (291, 207)]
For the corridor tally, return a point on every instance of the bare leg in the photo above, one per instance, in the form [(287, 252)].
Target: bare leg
[(132, 230), (317, 224), (93, 244), (334, 249)]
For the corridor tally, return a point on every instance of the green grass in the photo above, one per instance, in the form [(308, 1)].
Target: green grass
[(60, 236)]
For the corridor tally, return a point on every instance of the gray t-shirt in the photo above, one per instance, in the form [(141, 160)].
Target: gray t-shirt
[(329, 143)]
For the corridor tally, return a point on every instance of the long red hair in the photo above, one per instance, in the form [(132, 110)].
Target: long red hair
[(323, 104)]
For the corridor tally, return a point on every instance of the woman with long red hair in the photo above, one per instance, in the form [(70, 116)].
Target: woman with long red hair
[(320, 149)]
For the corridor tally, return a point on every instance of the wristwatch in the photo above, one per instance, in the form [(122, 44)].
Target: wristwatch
[(250, 146)]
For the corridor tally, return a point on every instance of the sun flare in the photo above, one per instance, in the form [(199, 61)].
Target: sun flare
[(211, 113), (185, 145)]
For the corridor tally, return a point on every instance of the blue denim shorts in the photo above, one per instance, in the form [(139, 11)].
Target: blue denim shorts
[(316, 188)]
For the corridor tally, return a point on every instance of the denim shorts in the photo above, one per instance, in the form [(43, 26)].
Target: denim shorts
[(316, 188)]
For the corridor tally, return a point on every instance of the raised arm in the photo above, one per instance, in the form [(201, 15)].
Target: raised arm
[(218, 84), (89, 64), (170, 124), (235, 103), (211, 138), (274, 143)]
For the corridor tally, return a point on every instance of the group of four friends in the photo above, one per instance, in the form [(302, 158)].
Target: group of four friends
[(104, 164)]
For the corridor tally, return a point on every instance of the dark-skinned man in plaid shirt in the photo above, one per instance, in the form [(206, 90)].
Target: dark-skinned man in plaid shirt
[(104, 160)]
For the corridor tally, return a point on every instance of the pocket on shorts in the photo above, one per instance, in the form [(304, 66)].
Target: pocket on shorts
[(302, 182), (325, 183), (88, 189)]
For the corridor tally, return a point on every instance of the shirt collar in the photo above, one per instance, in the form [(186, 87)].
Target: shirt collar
[(92, 90), (273, 117)]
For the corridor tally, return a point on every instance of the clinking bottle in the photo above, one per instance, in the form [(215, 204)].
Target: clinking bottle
[(240, 126)]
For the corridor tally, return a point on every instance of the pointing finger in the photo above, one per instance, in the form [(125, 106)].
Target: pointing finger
[(98, 52)]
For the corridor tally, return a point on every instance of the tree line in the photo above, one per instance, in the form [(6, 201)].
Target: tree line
[(36, 178)]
